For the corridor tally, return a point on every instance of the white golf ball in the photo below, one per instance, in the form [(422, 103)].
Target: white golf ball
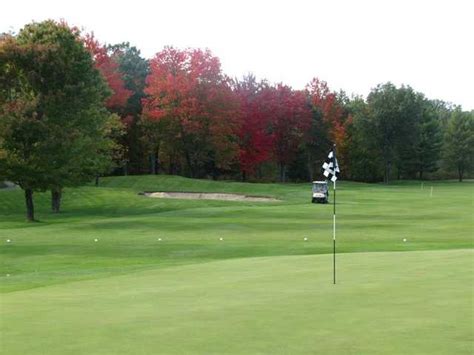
[(159, 239), (96, 240), (305, 239), (8, 240), (221, 238), (404, 239)]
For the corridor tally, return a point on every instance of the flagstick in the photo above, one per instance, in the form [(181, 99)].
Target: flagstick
[(334, 217), (330, 171), (334, 235)]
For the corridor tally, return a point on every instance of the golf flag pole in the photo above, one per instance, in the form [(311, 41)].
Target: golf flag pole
[(334, 220), (330, 171)]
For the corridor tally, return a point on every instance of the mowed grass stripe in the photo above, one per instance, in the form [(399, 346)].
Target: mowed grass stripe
[(61, 248), (390, 303)]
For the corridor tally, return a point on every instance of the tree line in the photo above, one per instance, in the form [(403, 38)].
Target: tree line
[(73, 109)]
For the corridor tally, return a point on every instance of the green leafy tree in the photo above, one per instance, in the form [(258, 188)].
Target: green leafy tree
[(52, 115), (458, 149), (430, 140), (364, 152), (21, 133), (396, 113), (316, 144), (134, 70)]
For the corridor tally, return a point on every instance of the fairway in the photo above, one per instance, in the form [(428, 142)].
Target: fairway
[(159, 279)]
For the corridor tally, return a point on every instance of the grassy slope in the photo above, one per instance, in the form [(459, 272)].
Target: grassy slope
[(371, 218)]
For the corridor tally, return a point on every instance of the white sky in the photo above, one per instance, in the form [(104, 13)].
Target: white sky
[(353, 45)]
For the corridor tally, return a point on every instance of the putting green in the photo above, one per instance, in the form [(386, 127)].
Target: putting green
[(416, 302)]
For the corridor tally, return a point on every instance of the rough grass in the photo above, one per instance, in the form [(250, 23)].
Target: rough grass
[(131, 293)]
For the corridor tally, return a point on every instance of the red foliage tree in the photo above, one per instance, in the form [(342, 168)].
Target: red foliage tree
[(189, 94), (110, 70), (290, 119), (255, 142), (333, 113)]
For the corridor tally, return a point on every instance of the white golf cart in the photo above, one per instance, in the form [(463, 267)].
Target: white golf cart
[(320, 192)]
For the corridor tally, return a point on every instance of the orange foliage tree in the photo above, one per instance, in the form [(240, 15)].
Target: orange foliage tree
[(193, 99)]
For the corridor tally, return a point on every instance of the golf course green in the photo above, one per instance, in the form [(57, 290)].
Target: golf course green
[(117, 272)]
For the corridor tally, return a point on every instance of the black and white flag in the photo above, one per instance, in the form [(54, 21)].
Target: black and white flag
[(330, 167)]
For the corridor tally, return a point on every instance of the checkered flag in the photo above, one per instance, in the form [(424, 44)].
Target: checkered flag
[(330, 167)]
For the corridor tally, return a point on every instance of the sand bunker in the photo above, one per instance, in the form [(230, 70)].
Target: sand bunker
[(209, 196)]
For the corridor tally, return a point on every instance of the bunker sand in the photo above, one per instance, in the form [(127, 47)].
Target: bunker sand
[(209, 196)]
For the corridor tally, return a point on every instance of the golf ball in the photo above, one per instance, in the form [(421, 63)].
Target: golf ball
[(404, 239), (8, 240), (159, 239), (96, 240), (305, 238), (221, 238)]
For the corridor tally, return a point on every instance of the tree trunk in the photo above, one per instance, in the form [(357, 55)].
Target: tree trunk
[(310, 170), (97, 180), (187, 153), (460, 172), (30, 208), (171, 165), (421, 174), (282, 172), (56, 195), (152, 164), (215, 173), (157, 160), (189, 163), (174, 166), (388, 170)]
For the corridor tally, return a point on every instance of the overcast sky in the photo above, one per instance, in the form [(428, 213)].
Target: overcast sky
[(351, 44)]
